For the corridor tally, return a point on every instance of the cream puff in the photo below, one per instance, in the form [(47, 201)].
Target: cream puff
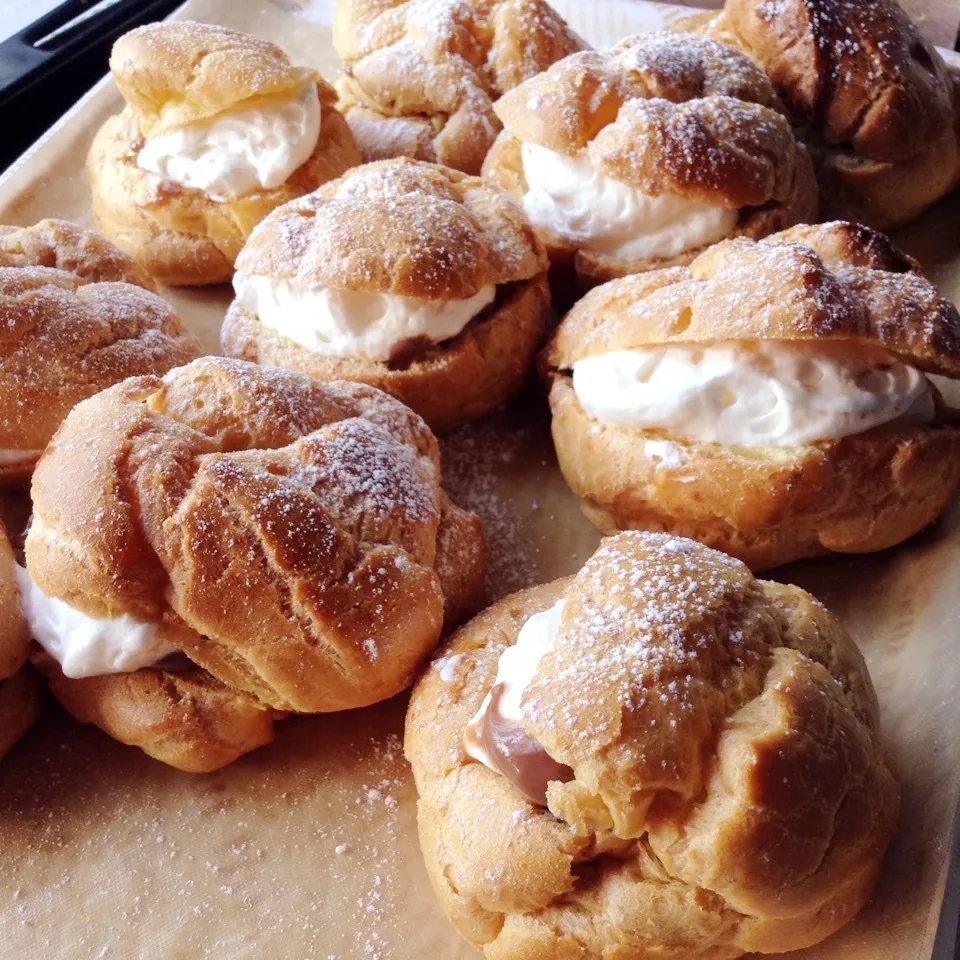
[(644, 155), (219, 128), (76, 316), (771, 399), (875, 102), (420, 76), (408, 276), (657, 757), (19, 699), (216, 548)]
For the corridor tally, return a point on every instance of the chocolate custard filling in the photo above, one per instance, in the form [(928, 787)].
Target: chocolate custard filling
[(513, 752)]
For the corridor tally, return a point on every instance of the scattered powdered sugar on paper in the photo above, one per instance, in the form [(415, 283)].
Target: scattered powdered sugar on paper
[(301, 842), (472, 459)]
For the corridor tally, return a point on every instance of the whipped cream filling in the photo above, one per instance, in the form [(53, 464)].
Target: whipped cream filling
[(496, 736), (352, 323), (751, 393), (239, 151), (88, 646), (11, 457), (570, 199)]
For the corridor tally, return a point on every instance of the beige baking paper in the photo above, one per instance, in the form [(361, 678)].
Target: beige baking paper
[(306, 849)]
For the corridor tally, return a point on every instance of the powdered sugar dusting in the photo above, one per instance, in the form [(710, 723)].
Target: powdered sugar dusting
[(302, 842), (473, 456), (657, 626)]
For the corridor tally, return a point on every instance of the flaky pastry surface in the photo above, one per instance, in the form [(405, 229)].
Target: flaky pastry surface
[(832, 283), (417, 230), (176, 73), (664, 113), (65, 246), (729, 791), (285, 535), (66, 335), (875, 99), (421, 76)]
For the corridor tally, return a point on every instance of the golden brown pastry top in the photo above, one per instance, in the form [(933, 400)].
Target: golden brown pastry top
[(857, 71), (661, 640), (177, 73), (833, 282), (429, 56), (65, 246), (291, 524), (14, 641), (64, 336), (400, 227), (706, 116)]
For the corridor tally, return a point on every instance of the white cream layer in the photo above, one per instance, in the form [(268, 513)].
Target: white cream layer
[(87, 646), (515, 670), (568, 198), (349, 323), (753, 393), (239, 151)]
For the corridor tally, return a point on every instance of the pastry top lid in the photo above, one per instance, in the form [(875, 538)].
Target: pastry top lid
[(63, 245), (661, 640), (14, 639), (856, 71), (177, 73), (399, 227), (833, 282), (66, 335), (663, 112), (291, 523), (448, 49)]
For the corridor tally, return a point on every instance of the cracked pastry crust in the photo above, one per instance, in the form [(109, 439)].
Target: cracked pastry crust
[(176, 73), (877, 105), (19, 698), (77, 316), (417, 230), (665, 114), (835, 282), (291, 538), (421, 76), (729, 794)]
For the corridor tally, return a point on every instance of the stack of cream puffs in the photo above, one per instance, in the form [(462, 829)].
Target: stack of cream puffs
[(660, 756), (219, 129)]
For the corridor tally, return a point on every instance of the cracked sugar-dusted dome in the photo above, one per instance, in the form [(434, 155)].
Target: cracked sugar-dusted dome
[(290, 537), (728, 789), (77, 315)]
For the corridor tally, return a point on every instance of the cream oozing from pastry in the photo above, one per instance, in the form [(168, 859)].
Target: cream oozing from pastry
[(87, 646), (497, 736), (239, 151), (567, 197), (352, 323), (10, 457), (751, 393)]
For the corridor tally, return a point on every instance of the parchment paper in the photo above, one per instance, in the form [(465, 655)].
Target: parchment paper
[(306, 849)]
